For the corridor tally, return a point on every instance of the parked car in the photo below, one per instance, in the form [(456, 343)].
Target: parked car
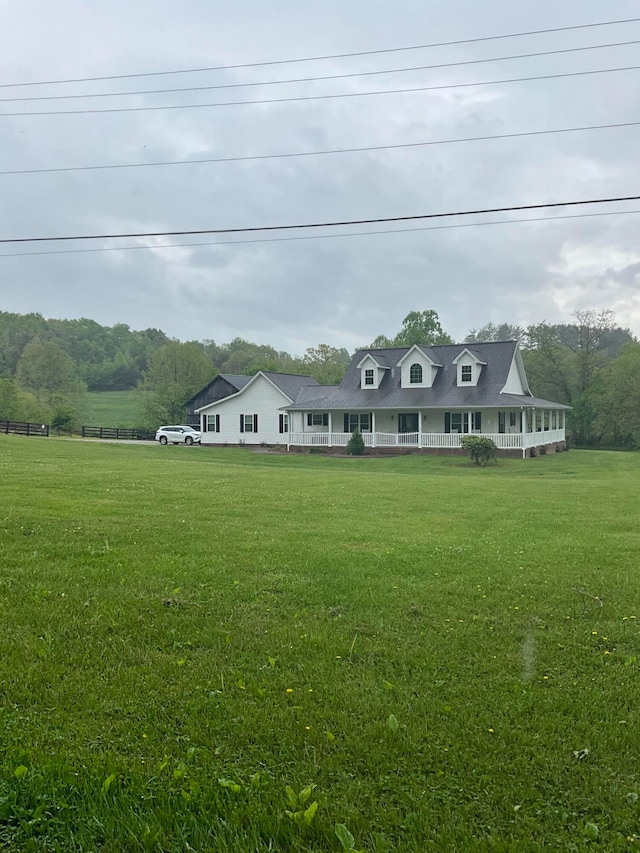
[(177, 435)]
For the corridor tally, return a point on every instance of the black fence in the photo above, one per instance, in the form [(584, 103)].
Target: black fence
[(118, 432), (24, 428)]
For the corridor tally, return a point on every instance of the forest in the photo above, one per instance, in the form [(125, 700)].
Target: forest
[(47, 365)]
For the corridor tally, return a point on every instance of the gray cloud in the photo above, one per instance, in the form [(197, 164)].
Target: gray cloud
[(344, 290)]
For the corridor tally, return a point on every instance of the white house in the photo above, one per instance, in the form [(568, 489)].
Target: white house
[(430, 397), (255, 413), (421, 398)]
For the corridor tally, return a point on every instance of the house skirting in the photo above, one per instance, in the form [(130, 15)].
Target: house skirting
[(503, 452)]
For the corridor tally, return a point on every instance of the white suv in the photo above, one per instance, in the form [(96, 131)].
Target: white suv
[(177, 435)]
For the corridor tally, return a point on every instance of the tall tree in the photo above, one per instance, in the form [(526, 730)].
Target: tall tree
[(422, 327), (490, 333), (616, 399), (49, 372), (176, 372), (325, 363)]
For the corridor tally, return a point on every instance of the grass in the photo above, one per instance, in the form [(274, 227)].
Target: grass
[(449, 654), (113, 409)]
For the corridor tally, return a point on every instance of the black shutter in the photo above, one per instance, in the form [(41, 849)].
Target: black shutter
[(447, 421), (281, 424), (241, 423), (204, 423), (478, 424), (217, 423), (325, 419), (255, 423), (309, 421), (346, 422)]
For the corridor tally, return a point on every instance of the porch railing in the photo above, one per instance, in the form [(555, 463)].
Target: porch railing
[(504, 441)]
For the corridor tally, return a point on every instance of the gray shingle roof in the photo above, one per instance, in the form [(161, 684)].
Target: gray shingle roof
[(290, 384), (237, 380), (444, 394)]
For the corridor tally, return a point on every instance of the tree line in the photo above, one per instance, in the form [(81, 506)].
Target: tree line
[(47, 365)]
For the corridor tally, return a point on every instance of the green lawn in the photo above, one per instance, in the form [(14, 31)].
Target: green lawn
[(449, 654), (112, 409)]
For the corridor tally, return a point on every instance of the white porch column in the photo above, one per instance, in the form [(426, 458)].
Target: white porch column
[(330, 428), (523, 431), (419, 428), (373, 429)]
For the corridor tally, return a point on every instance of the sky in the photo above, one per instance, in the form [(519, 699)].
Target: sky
[(343, 287)]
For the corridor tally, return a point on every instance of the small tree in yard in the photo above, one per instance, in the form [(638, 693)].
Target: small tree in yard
[(355, 447), (482, 449)]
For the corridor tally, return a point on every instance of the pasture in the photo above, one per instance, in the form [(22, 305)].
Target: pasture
[(113, 409), (192, 639)]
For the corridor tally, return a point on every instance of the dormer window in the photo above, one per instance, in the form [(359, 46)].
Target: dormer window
[(468, 367), (368, 377), (415, 374)]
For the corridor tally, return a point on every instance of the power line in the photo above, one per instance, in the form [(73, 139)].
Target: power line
[(321, 58), (437, 66), (354, 150), (309, 225), (322, 97), (318, 236)]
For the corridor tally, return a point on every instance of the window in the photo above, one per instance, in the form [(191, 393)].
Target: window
[(368, 377), (415, 374), (283, 425), (357, 421), (248, 423), (466, 373), (318, 419), (212, 423), (512, 419), (459, 421), (501, 422)]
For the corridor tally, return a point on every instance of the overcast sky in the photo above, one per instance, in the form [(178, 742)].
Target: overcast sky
[(340, 290)]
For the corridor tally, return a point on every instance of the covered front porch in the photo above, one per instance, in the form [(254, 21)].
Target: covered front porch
[(510, 429)]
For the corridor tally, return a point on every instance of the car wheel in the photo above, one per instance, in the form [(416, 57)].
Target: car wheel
[(188, 440), (163, 439)]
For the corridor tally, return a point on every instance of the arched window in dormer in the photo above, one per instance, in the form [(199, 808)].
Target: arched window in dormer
[(415, 374)]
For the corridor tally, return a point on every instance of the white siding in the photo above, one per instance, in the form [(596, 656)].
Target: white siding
[(513, 384), (466, 358), (428, 370), (368, 363), (260, 397)]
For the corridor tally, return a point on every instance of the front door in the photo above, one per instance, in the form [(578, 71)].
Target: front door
[(408, 422)]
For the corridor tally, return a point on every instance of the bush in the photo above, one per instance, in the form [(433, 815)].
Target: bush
[(355, 447), (63, 419), (482, 449)]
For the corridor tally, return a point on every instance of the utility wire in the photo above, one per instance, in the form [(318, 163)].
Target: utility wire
[(318, 236), (321, 58), (355, 150), (309, 225), (322, 97), (439, 65)]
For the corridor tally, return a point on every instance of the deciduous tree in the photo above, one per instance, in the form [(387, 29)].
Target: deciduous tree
[(176, 372)]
